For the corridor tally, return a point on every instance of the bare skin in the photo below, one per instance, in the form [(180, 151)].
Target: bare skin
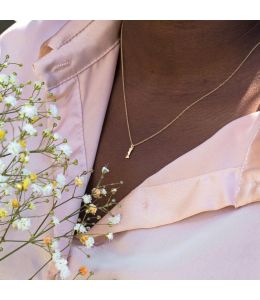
[(168, 65)]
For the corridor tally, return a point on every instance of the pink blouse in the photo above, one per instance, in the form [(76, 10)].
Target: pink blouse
[(197, 218)]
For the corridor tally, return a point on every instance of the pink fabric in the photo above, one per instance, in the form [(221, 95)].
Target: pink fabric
[(198, 217)]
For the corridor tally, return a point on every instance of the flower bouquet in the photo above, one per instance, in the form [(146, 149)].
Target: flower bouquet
[(29, 196)]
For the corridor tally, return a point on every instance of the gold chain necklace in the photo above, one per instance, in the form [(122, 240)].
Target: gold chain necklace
[(132, 144)]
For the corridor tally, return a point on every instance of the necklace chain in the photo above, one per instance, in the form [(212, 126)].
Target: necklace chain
[(132, 144)]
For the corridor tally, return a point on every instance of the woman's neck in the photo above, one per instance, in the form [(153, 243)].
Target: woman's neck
[(184, 49)]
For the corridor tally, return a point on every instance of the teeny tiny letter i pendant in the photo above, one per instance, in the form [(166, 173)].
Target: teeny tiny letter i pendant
[(130, 151)]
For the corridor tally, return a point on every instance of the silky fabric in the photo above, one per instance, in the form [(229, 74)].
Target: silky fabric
[(196, 218)]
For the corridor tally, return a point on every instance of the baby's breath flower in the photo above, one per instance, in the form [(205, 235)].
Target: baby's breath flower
[(56, 256), (105, 170), (34, 119), (55, 245), (47, 240), (114, 191), (3, 213), (31, 206), (64, 272), (47, 190), (87, 240), (19, 186), (56, 136), (33, 177), (61, 266), (23, 143), (37, 189), (114, 220), (79, 181), (96, 193), (4, 79), (110, 236), (14, 148), (29, 129), (80, 228), (53, 110), (38, 85), (46, 132), (87, 199), (22, 224), (15, 203), (103, 191), (26, 183), (65, 149), (2, 134), (60, 262), (61, 180), (10, 101), (28, 111), (83, 271), (12, 79), (92, 209), (90, 242), (24, 157)]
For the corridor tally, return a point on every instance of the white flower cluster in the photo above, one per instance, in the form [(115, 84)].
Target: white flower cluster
[(10, 101), (22, 224), (29, 129), (8, 81), (114, 219), (60, 263), (80, 228), (48, 189), (64, 149), (89, 243), (87, 199), (39, 184), (14, 148), (28, 111)]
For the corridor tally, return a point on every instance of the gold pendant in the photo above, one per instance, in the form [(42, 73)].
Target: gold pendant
[(129, 151)]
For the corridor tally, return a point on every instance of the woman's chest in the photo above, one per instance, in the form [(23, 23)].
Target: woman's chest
[(150, 112)]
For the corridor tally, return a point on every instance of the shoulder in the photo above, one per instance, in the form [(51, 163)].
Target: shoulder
[(23, 40)]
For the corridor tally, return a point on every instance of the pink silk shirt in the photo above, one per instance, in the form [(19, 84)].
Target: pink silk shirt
[(197, 218)]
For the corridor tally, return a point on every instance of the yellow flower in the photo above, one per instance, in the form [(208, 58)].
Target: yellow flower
[(22, 158), (31, 206), (78, 181), (22, 143), (15, 203), (34, 119), (33, 177), (83, 238), (92, 209), (26, 183), (54, 184), (2, 134), (83, 271), (19, 186), (3, 213), (96, 193), (47, 240)]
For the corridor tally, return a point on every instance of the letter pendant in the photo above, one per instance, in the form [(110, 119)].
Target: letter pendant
[(129, 151)]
